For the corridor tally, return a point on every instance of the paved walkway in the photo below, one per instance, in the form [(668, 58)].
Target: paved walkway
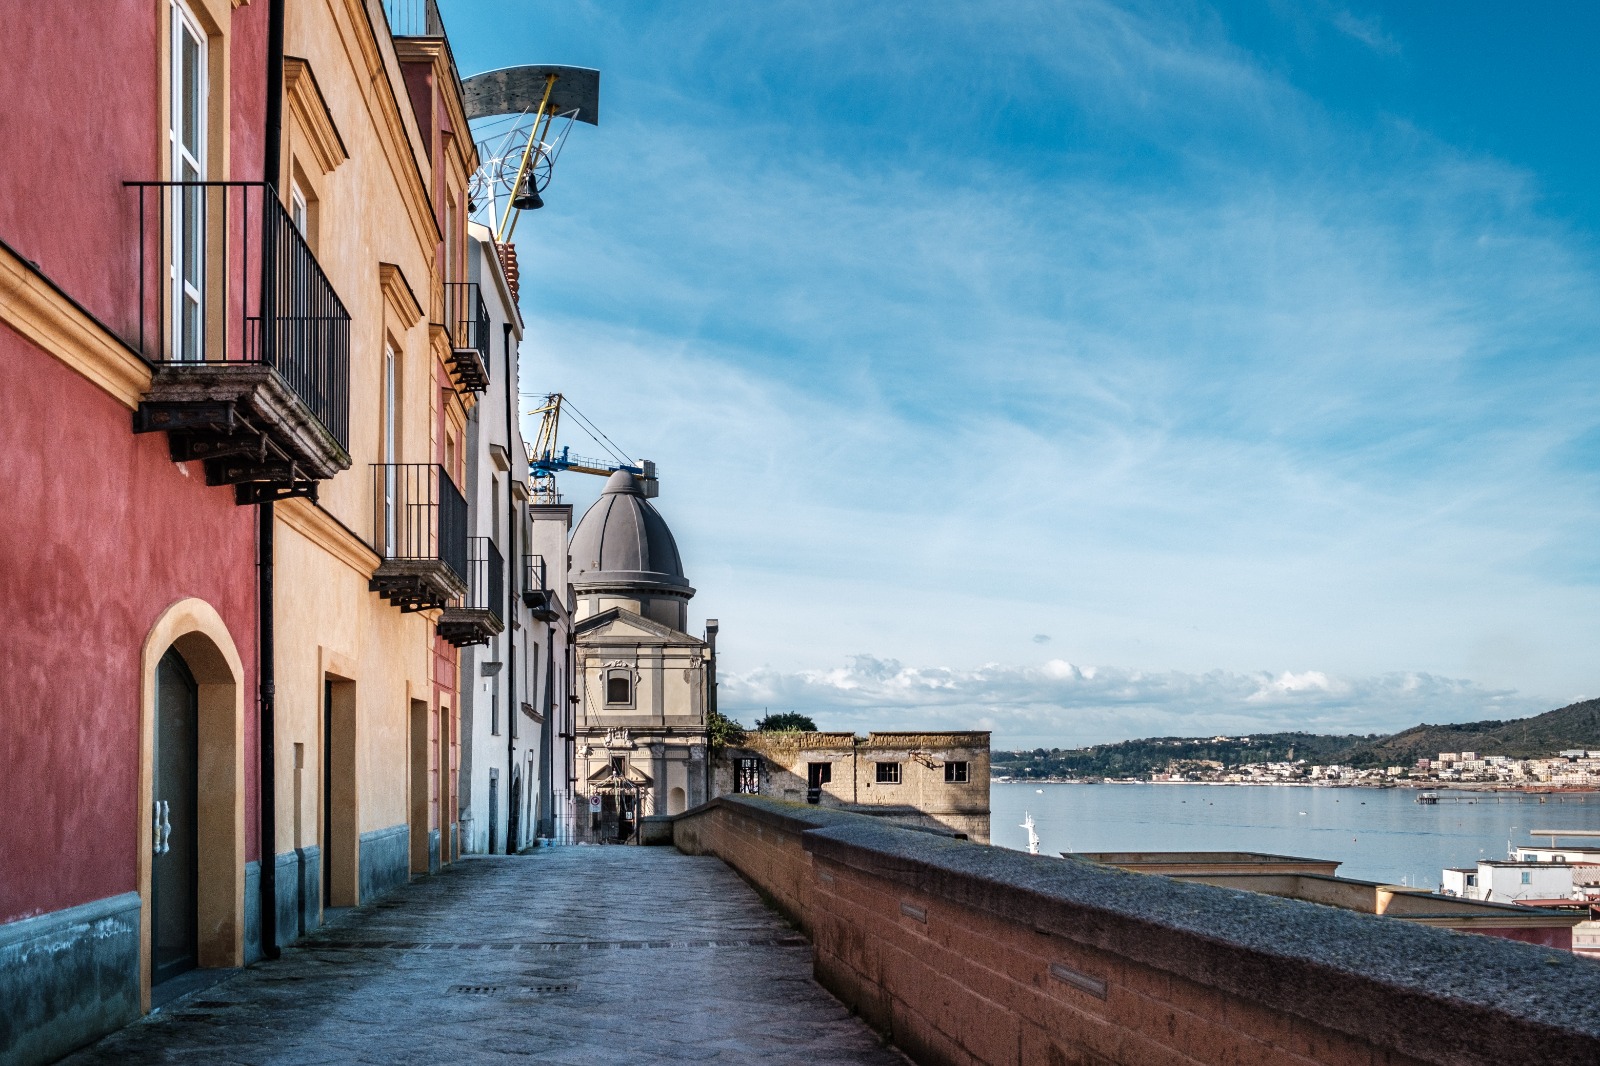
[(577, 955)]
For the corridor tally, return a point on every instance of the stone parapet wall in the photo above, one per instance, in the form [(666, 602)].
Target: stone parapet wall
[(966, 954)]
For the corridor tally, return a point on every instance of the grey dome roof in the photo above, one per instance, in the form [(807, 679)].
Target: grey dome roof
[(622, 540)]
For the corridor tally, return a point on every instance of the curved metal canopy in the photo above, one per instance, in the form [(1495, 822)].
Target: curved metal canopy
[(518, 90)]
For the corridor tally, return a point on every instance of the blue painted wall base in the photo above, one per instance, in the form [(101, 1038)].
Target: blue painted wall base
[(67, 978), (385, 860)]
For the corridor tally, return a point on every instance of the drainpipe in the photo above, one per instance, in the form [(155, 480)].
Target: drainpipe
[(272, 162), (711, 703), (512, 707)]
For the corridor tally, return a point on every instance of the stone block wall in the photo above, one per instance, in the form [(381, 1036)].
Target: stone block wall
[(968, 954)]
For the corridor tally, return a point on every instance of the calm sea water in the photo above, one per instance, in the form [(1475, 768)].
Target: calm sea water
[(1379, 835)]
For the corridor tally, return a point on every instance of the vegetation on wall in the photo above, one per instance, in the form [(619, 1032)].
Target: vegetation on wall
[(723, 730), (786, 722)]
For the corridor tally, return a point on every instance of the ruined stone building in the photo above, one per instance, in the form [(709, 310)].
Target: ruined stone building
[(927, 779)]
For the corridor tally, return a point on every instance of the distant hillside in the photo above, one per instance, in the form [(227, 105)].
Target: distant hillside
[(1576, 726), (1135, 758)]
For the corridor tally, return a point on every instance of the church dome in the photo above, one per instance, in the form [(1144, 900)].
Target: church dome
[(622, 542)]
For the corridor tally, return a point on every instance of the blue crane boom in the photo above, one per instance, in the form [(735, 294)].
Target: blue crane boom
[(545, 462)]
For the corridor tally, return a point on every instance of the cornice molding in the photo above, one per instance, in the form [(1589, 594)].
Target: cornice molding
[(42, 313), (401, 142), (398, 294), (436, 52), (310, 109), (328, 533)]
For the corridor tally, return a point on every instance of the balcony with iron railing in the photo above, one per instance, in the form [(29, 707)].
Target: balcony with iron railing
[(249, 343), (467, 320), (413, 18), (537, 595), (477, 616), (419, 529)]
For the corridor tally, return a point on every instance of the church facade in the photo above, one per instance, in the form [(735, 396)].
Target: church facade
[(642, 681)]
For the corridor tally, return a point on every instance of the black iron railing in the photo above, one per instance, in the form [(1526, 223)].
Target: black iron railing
[(533, 574), (225, 276), (419, 515), (467, 318), (536, 595), (486, 580), (413, 18)]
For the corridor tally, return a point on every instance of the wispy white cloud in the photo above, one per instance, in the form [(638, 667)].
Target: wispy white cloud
[(1367, 29), (952, 325)]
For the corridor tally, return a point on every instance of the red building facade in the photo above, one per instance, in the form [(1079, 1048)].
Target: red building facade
[(128, 538), (233, 520)]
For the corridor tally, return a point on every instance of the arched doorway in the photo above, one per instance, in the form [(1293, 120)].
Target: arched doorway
[(191, 796), (175, 813), (514, 813)]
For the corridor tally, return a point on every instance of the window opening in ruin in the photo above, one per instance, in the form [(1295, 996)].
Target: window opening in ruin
[(888, 773), (955, 773), (817, 775), (747, 776)]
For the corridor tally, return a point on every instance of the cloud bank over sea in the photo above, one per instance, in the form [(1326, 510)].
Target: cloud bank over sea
[(1061, 704)]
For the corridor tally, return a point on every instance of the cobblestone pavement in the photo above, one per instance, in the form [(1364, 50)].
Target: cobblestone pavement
[(575, 955)]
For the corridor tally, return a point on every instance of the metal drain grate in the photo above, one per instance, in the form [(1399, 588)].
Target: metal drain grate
[(511, 990)]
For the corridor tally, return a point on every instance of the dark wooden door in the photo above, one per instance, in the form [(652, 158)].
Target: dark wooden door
[(175, 866), (326, 853), (494, 809), (514, 813)]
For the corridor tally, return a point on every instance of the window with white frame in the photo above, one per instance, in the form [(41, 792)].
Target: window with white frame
[(186, 142), (299, 212)]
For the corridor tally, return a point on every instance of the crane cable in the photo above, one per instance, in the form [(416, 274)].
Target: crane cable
[(585, 424)]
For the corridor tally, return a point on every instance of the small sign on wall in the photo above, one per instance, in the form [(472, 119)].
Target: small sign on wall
[(594, 803)]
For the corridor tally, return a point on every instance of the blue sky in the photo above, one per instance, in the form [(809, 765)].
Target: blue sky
[(1087, 370)]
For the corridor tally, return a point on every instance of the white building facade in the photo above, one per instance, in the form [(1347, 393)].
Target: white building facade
[(503, 716), (1510, 881)]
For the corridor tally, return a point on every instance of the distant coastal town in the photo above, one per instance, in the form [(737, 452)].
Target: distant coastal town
[(1557, 750), (1573, 769)]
